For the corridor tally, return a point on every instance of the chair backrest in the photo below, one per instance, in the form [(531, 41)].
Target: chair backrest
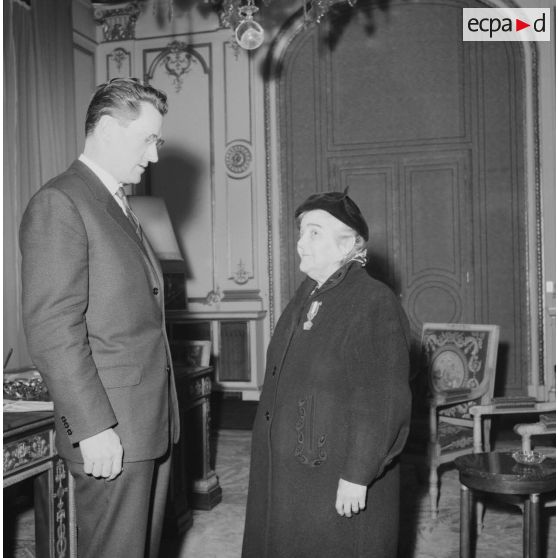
[(460, 359)]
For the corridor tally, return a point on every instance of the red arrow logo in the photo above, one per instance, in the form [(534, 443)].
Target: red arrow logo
[(519, 25)]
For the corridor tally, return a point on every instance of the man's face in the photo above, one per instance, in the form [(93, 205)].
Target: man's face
[(135, 145)]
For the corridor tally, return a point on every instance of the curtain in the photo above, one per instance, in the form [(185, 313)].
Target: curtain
[(39, 130)]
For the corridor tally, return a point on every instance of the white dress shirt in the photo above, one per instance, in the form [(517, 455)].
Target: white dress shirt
[(110, 183)]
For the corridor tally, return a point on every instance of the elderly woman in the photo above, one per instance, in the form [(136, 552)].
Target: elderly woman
[(334, 410)]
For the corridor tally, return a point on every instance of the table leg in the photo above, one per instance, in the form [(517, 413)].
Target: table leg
[(526, 527), (44, 516), (55, 524), (465, 523), (534, 509)]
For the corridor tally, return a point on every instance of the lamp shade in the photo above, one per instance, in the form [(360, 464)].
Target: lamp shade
[(156, 224)]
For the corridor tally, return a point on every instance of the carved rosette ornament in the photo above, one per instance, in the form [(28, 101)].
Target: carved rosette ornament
[(238, 160)]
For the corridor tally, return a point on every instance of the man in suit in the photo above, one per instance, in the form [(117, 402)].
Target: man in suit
[(93, 315)]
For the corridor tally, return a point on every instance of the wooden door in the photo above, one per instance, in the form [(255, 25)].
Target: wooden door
[(427, 133)]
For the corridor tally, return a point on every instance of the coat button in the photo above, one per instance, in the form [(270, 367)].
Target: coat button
[(267, 415), (155, 291), (273, 372), (167, 368)]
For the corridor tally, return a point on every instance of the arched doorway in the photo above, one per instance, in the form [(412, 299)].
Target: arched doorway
[(427, 132)]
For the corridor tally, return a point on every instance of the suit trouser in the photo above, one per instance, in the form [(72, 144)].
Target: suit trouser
[(123, 517)]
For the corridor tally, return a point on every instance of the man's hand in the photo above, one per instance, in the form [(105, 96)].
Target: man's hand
[(351, 498), (102, 454)]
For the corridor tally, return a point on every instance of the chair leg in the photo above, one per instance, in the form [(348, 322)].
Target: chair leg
[(433, 491)]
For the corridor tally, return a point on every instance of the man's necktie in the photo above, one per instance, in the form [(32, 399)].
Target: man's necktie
[(128, 211)]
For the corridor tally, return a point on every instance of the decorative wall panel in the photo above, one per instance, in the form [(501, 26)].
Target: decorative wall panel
[(238, 100), (240, 233), (238, 165), (183, 176), (119, 63)]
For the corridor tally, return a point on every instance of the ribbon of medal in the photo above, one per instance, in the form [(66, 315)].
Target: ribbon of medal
[(314, 307)]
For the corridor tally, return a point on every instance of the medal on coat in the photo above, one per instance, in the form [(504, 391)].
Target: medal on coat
[(314, 307)]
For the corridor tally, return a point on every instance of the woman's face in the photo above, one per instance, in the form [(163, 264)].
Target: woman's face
[(323, 244)]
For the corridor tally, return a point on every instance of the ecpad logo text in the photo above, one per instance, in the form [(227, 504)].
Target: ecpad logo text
[(506, 24)]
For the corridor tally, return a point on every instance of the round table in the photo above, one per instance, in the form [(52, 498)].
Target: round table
[(499, 473)]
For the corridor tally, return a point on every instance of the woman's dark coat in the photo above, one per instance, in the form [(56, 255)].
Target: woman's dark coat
[(335, 404)]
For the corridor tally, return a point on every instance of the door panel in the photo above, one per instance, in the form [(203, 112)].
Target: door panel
[(437, 241)]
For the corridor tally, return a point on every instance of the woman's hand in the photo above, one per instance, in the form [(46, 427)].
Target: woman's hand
[(351, 498)]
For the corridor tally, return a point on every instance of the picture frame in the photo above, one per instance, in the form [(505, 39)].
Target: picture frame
[(196, 353)]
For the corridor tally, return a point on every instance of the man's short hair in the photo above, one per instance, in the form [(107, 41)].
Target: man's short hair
[(122, 98)]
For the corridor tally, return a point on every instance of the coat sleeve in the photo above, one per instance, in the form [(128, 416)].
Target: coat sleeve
[(55, 272), (376, 355)]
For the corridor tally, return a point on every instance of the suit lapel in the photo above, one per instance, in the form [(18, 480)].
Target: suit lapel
[(104, 197), (154, 262), (151, 262), (115, 211)]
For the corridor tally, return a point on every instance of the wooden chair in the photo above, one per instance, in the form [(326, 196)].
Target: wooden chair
[(457, 371), (546, 426)]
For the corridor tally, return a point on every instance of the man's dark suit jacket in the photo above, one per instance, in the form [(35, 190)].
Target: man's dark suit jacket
[(93, 314)]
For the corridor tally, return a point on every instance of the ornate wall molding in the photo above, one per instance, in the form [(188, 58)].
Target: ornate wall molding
[(118, 55), (538, 241), (177, 59), (118, 63), (61, 504), (241, 275), (23, 453), (118, 22)]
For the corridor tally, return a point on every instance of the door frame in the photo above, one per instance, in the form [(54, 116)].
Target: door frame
[(540, 326)]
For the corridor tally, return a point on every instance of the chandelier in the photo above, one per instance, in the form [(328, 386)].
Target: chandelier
[(249, 33), (238, 15)]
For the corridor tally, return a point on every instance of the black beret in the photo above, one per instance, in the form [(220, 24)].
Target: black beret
[(340, 206)]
